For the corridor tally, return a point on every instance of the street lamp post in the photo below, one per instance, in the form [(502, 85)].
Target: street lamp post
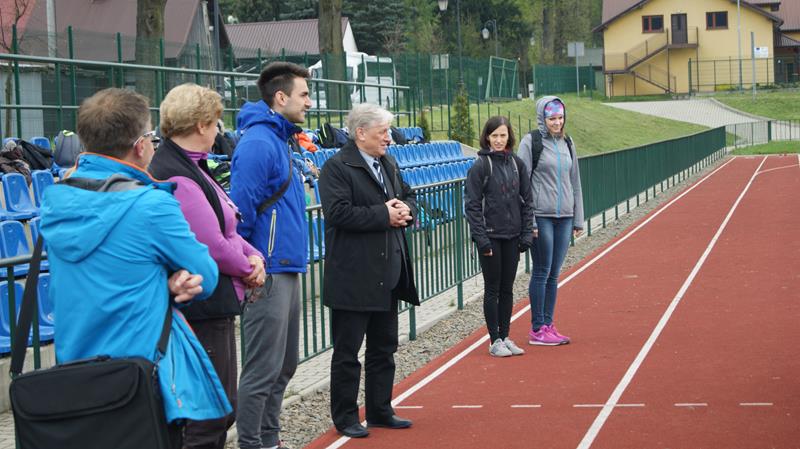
[(443, 7), (485, 34)]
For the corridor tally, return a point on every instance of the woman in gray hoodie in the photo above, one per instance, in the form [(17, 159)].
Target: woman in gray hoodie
[(558, 212)]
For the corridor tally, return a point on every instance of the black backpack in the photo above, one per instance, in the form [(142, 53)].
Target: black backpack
[(332, 137), (397, 136)]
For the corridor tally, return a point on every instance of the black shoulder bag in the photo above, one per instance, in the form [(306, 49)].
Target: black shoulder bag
[(94, 403)]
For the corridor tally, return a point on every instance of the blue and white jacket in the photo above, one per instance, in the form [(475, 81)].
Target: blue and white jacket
[(261, 164)]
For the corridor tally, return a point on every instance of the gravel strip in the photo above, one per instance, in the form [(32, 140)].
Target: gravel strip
[(306, 419)]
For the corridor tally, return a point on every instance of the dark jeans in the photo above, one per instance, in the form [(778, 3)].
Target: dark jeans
[(549, 251), (349, 329), (217, 338), (499, 271)]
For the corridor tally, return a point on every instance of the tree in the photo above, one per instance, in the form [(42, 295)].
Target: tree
[(373, 21), (421, 26), (7, 21), (330, 45), (149, 30), (462, 127)]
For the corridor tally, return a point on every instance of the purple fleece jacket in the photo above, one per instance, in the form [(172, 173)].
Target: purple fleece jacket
[(230, 250)]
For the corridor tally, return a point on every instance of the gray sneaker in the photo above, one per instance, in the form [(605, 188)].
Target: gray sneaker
[(499, 349), (512, 347)]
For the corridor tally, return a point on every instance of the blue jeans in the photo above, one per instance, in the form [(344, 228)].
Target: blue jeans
[(548, 253)]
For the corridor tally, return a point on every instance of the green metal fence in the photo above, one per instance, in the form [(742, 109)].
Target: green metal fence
[(556, 79), (46, 92), (609, 179), (761, 132), (732, 74)]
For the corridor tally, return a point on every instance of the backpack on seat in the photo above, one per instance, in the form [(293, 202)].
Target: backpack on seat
[(332, 137), (68, 147)]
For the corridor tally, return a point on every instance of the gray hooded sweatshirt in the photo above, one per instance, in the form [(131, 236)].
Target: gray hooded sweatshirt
[(556, 182)]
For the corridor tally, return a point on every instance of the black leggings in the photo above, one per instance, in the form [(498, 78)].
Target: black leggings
[(499, 272)]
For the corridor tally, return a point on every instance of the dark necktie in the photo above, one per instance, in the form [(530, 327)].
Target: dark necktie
[(377, 166)]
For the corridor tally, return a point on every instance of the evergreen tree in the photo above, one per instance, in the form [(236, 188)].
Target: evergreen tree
[(373, 22), (461, 128)]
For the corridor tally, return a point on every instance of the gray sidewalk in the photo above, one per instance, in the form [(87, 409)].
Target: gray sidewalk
[(706, 111)]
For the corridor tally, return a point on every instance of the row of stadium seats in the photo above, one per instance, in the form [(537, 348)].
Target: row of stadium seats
[(431, 174), (45, 316), (407, 156), (427, 153)]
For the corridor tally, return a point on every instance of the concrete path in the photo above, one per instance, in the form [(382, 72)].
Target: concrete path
[(706, 112)]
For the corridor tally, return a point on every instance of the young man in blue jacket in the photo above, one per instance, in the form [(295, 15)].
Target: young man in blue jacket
[(269, 192)]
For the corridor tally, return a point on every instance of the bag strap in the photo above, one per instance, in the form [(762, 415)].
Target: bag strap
[(266, 204), (27, 309)]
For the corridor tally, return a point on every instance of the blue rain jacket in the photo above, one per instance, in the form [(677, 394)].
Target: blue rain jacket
[(261, 164), (110, 256)]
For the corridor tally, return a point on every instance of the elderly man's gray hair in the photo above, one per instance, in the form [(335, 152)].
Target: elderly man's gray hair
[(367, 115)]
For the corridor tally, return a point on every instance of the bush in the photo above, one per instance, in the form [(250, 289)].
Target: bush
[(461, 129), (422, 122)]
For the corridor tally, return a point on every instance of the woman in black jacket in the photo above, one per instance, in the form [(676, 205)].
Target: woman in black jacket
[(500, 215)]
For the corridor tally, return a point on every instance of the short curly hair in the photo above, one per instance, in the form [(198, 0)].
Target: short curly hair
[(187, 105)]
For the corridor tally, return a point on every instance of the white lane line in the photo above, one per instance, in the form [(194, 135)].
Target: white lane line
[(598, 423), (776, 168), (467, 406), (755, 404), (603, 405), (526, 406), (691, 404), (481, 341), (408, 406)]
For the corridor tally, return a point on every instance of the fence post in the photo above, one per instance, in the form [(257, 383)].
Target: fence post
[(412, 323), (73, 76), (17, 90), (121, 81), (459, 245), (769, 131)]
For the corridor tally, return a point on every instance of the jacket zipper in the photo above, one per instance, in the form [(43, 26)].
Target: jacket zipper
[(271, 245), (558, 177)]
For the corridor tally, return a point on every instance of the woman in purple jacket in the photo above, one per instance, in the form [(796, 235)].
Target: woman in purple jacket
[(189, 115)]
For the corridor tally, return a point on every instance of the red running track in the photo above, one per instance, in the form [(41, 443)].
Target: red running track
[(684, 333)]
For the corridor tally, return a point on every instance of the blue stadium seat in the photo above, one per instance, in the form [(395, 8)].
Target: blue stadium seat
[(35, 224), (40, 179), (318, 243), (15, 139), (13, 243), (18, 197), (46, 309), (43, 142)]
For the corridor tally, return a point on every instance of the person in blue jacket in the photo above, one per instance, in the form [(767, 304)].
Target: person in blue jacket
[(116, 257), (268, 189)]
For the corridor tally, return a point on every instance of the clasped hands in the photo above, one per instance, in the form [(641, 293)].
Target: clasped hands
[(186, 286), (399, 213)]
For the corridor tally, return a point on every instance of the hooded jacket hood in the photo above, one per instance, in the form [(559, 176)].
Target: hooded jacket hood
[(78, 220), (540, 105), (260, 113)]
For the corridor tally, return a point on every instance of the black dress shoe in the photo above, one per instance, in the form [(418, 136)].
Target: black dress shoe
[(394, 422), (354, 431)]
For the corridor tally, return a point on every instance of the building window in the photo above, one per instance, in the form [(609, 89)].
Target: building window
[(652, 24), (774, 7), (717, 20)]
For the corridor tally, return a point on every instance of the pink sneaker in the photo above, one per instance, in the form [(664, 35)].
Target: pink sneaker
[(554, 331), (544, 338)]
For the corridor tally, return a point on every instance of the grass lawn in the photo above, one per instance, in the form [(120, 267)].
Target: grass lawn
[(779, 105), (770, 148), (595, 127)]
